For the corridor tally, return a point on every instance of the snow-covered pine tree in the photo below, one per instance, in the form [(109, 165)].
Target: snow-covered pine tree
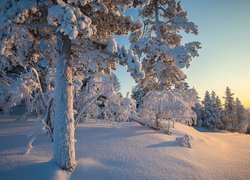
[(212, 111), (189, 96), (69, 30), (198, 109), (138, 92), (159, 47), (207, 104), (241, 115), (216, 111), (229, 117), (162, 54), (116, 82)]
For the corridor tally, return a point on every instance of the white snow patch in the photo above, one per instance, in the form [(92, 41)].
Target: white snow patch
[(127, 151), (89, 162)]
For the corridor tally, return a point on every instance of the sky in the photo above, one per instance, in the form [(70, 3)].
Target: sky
[(224, 33)]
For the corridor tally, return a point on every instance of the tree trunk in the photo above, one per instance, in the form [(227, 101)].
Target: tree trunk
[(48, 118), (157, 25), (64, 146), (156, 121)]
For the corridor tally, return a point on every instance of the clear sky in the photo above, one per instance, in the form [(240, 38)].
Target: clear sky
[(224, 32)]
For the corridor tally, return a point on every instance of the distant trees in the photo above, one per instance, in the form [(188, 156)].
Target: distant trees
[(234, 115), (231, 117), (241, 117), (212, 110)]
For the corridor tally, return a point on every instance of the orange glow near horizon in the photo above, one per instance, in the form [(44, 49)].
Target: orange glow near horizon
[(225, 56)]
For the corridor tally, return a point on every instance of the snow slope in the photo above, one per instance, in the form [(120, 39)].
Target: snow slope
[(127, 151)]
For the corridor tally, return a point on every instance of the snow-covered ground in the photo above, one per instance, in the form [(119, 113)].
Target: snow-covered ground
[(126, 151)]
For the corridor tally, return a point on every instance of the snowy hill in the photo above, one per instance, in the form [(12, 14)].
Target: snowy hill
[(127, 151)]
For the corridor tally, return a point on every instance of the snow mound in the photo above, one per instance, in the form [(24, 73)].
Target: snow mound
[(184, 141)]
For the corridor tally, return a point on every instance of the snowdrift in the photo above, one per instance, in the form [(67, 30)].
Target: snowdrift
[(127, 151)]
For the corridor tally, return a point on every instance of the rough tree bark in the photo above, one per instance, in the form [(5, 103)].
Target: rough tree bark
[(64, 146)]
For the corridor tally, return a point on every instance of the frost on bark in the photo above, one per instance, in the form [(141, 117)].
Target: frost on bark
[(64, 146)]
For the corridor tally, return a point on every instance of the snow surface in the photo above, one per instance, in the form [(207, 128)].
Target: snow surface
[(126, 151)]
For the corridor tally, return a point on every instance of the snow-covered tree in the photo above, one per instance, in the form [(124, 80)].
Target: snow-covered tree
[(241, 115), (187, 94), (71, 33), (229, 118), (212, 111), (234, 114), (161, 107), (207, 103), (216, 111), (26, 87), (163, 58), (15, 88), (106, 101), (159, 47), (138, 92), (198, 109), (116, 83), (232, 117)]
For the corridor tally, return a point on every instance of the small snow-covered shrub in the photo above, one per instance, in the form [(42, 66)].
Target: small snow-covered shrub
[(184, 141), (161, 107)]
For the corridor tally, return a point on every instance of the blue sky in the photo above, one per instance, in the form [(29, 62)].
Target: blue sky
[(224, 32)]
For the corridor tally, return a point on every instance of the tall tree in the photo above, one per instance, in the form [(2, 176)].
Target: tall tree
[(207, 104), (163, 57), (229, 117), (212, 111), (73, 33), (216, 111), (138, 92), (241, 114)]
